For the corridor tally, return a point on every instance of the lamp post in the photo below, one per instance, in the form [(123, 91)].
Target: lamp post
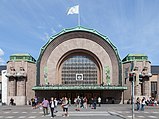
[(133, 80), (133, 97)]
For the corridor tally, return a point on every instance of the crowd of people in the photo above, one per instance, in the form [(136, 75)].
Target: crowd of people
[(141, 103), (50, 105)]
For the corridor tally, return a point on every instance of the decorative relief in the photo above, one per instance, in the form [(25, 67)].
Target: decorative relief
[(107, 73)]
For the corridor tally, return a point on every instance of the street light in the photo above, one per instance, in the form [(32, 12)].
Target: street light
[(132, 78)]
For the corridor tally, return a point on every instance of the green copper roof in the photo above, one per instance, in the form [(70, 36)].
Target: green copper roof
[(94, 87), (135, 57), (22, 57)]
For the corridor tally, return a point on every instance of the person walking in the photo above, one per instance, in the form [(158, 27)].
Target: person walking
[(143, 102), (65, 107), (85, 102), (99, 101), (52, 106), (78, 102), (94, 102), (91, 102), (56, 103), (81, 103), (35, 102), (138, 103), (69, 101), (45, 105), (11, 101)]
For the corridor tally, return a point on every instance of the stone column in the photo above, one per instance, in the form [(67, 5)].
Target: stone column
[(21, 86), (138, 90), (12, 86), (147, 88)]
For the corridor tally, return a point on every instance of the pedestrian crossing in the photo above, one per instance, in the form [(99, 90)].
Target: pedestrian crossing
[(39, 114)]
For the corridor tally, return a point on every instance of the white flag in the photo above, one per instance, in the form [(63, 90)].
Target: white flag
[(73, 10)]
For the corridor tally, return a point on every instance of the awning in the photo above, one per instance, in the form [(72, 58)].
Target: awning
[(68, 87)]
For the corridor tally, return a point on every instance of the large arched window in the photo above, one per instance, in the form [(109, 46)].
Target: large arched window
[(79, 69)]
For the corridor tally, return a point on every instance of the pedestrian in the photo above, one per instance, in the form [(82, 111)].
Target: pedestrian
[(106, 100), (143, 102), (85, 102), (45, 105), (91, 103), (35, 102), (11, 101), (138, 103), (69, 101), (52, 106), (65, 107), (78, 102), (56, 103), (128, 102), (81, 102), (99, 101), (94, 103)]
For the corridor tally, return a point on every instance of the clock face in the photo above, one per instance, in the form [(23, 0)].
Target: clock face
[(79, 76)]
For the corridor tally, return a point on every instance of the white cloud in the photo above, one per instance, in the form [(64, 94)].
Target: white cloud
[(46, 37), (2, 62), (53, 31), (1, 59), (1, 52), (60, 26)]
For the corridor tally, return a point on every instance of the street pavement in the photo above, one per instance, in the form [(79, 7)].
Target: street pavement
[(106, 111)]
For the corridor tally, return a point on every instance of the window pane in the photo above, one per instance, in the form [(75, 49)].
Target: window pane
[(79, 64)]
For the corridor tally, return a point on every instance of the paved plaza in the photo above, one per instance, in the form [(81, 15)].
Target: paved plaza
[(106, 111)]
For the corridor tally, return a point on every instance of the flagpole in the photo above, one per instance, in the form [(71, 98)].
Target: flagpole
[(79, 17)]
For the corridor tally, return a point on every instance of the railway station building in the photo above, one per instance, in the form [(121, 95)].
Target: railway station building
[(78, 62)]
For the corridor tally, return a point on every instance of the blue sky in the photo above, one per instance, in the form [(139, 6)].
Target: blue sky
[(131, 25)]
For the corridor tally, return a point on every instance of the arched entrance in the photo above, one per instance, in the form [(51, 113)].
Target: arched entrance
[(79, 68)]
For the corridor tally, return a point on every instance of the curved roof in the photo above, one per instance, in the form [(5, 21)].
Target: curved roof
[(78, 28)]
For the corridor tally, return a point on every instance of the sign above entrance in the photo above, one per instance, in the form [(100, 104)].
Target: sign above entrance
[(69, 87), (79, 77)]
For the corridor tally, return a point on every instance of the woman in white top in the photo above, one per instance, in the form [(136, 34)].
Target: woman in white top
[(65, 107), (52, 106), (143, 102)]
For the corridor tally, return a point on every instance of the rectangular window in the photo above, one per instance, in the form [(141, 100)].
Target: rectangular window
[(154, 89), (125, 80)]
